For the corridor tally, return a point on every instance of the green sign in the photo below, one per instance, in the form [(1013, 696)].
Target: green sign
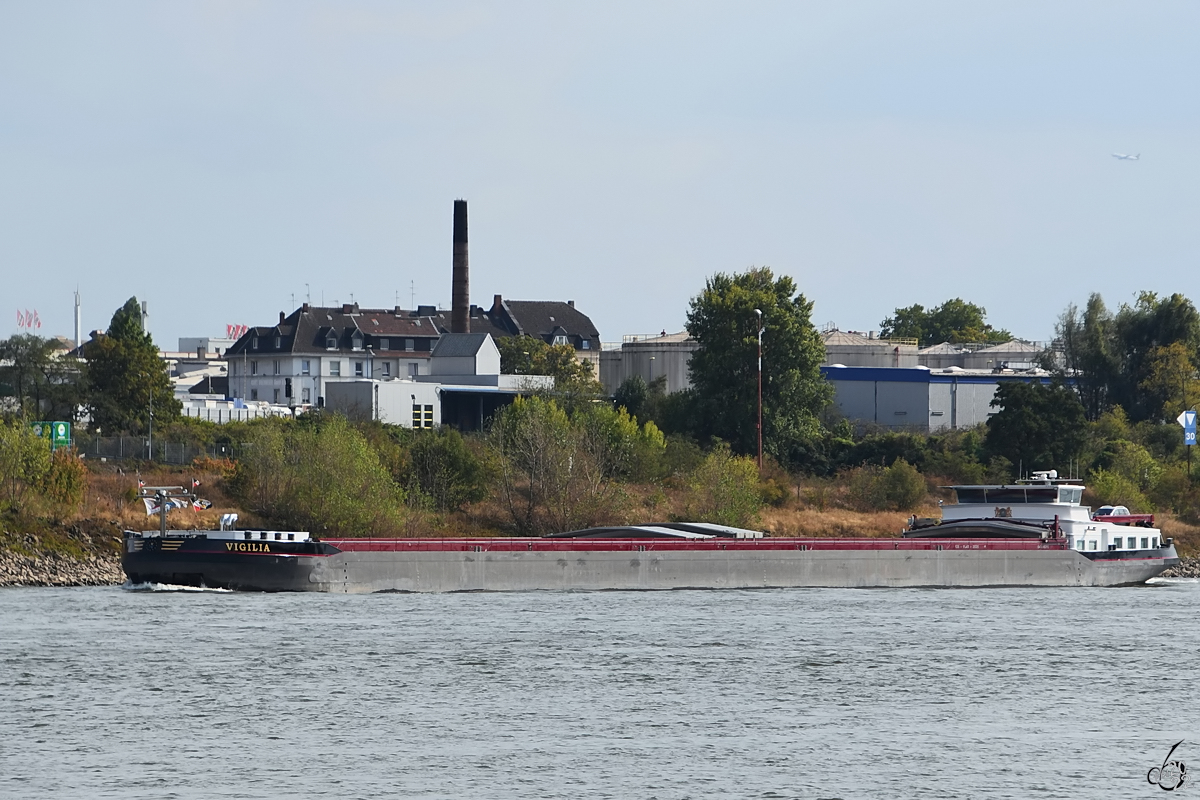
[(59, 433)]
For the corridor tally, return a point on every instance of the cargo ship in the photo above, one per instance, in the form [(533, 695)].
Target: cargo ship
[(1025, 534)]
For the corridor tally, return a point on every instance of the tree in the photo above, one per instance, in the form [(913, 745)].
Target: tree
[(953, 321), (1086, 341), (724, 370), (574, 382), (1129, 359), (1171, 371), (1038, 426), (1139, 331), (126, 377), (43, 381)]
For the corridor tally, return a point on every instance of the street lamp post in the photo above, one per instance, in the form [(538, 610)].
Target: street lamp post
[(758, 313)]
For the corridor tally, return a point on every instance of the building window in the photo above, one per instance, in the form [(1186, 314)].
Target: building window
[(387, 370), (335, 368), (586, 344), (356, 341), (275, 397), (410, 345), (253, 367), (560, 339), (254, 394), (278, 342), (253, 342), (383, 344), (358, 369), (277, 366), (422, 416), (413, 370), (331, 342), (306, 395), (304, 367)]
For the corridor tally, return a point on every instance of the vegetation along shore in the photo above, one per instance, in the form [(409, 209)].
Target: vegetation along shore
[(573, 458)]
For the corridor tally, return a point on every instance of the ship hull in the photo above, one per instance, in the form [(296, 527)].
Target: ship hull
[(364, 566), (600, 570)]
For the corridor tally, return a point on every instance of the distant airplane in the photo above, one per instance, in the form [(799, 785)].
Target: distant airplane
[(1123, 157)]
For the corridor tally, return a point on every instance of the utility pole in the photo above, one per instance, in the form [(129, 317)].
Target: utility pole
[(759, 315)]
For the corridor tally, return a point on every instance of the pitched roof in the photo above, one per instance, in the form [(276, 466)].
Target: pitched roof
[(541, 317), (307, 330), (459, 345), (945, 348), (1012, 346)]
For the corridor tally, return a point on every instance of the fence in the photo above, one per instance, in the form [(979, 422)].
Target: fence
[(120, 448)]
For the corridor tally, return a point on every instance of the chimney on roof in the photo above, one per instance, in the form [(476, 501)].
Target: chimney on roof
[(571, 303), (347, 308), (282, 317), (304, 308), (497, 301), (460, 287)]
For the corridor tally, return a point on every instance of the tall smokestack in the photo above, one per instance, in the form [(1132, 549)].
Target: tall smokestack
[(460, 289)]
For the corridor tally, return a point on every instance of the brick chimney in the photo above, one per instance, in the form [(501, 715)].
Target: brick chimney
[(460, 287)]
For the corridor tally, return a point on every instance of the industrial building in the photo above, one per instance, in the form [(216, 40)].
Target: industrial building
[(919, 398), (652, 356)]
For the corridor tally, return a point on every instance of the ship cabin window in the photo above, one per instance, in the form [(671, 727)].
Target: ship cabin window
[(277, 537), (1145, 543), (1092, 545), (246, 535), (1157, 543), (1016, 495), (291, 537), (262, 535), (1132, 543), (1081, 544)]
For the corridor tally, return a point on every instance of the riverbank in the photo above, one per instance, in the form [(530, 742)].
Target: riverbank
[(1186, 568), (56, 569)]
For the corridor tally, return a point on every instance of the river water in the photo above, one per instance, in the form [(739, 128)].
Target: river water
[(818, 693)]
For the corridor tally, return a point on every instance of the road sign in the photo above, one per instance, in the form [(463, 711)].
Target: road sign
[(59, 433), (1188, 420)]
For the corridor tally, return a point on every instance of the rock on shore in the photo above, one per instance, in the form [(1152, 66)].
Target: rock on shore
[(1186, 568), (56, 569)]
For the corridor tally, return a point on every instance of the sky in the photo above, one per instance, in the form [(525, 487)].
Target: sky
[(225, 161)]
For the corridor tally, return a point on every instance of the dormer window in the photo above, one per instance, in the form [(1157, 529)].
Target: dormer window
[(278, 342), (383, 344), (253, 342), (560, 339), (331, 342), (586, 344), (356, 341), (410, 345)]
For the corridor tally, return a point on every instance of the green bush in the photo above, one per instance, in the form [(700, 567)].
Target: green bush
[(318, 474), (65, 480), (724, 489), (446, 470), (1112, 488), (899, 487)]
